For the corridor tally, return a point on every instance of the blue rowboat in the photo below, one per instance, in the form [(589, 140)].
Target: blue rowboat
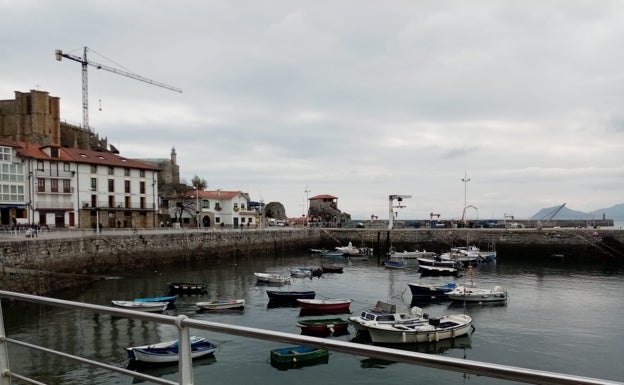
[(170, 299)]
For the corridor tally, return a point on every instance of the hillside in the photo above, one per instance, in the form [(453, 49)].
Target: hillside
[(614, 212)]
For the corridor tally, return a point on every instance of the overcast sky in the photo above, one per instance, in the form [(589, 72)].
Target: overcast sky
[(357, 99)]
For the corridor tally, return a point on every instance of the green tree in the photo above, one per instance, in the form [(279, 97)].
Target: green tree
[(199, 183)]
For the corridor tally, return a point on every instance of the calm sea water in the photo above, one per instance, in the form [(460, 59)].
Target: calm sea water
[(560, 317)]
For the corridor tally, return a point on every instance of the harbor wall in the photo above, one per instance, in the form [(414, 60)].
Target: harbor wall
[(47, 264)]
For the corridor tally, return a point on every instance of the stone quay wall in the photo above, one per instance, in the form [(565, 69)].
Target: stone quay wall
[(46, 264)]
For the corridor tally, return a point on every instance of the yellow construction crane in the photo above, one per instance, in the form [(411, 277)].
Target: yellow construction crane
[(85, 82)]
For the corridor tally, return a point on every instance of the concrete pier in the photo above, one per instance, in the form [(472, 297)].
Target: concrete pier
[(53, 262)]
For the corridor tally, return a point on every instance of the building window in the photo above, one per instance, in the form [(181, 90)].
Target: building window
[(54, 185), (39, 165), (205, 204), (142, 187), (54, 152), (40, 185), (142, 173), (111, 171), (93, 169), (93, 200), (126, 171), (127, 202), (127, 186), (94, 184), (142, 202), (111, 185), (66, 167), (6, 153), (111, 201), (217, 219), (66, 185)]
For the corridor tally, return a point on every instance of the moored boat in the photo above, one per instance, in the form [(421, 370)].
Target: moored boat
[(297, 356), (474, 294), (324, 306), (289, 296), (170, 354), (170, 299), (385, 313), (394, 264), (222, 304), (323, 327), (272, 278), (430, 292), (438, 270), (142, 306), (436, 329), (187, 288), (161, 345)]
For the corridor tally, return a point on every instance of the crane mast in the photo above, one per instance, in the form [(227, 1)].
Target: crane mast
[(391, 207), (85, 80)]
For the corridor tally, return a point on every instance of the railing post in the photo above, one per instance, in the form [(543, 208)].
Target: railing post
[(185, 361), (4, 354)]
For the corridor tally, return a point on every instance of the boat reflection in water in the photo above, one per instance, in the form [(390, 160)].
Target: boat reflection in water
[(439, 347), (160, 370)]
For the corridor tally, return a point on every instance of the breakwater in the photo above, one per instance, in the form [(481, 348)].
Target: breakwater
[(47, 264)]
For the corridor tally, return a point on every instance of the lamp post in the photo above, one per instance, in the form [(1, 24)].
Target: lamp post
[(197, 205), (307, 201), (465, 179)]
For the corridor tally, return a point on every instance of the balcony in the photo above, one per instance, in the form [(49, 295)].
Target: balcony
[(117, 206)]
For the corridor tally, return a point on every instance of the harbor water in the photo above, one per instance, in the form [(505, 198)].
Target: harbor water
[(560, 317)]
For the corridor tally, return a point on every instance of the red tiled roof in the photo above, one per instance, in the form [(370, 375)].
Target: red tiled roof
[(323, 196), (76, 155), (219, 194)]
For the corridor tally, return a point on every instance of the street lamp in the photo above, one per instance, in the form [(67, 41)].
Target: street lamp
[(307, 201), (465, 179), (197, 205)]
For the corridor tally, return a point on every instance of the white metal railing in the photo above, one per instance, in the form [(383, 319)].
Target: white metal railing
[(184, 324)]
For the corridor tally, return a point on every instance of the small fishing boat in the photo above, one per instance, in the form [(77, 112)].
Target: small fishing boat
[(161, 345), (222, 304), (170, 354), (306, 272), (323, 327), (385, 313), (324, 306), (436, 329), (142, 306), (394, 264), (290, 296), (170, 299), (187, 288), (473, 294), (272, 278), (298, 356), (438, 270), (430, 292)]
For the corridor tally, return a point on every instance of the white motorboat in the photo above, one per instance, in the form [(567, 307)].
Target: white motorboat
[(142, 306), (474, 294), (436, 329), (272, 278), (384, 313), (222, 304)]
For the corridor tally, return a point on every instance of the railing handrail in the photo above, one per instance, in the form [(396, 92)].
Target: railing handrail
[(184, 323)]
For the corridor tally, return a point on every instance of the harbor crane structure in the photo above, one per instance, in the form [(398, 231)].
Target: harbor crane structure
[(548, 217), (391, 207), (85, 81)]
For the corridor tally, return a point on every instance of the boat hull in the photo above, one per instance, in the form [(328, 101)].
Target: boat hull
[(469, 294), (422, 292), (169, 355), (448, 327), (142, 306), (272, 278), (162, 345), (313, 306), (231, 304), (298, 356), (438, 271), (324, 327)]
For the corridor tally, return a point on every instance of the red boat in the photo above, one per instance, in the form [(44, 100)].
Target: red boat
[(323, 327), (324, 306)]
